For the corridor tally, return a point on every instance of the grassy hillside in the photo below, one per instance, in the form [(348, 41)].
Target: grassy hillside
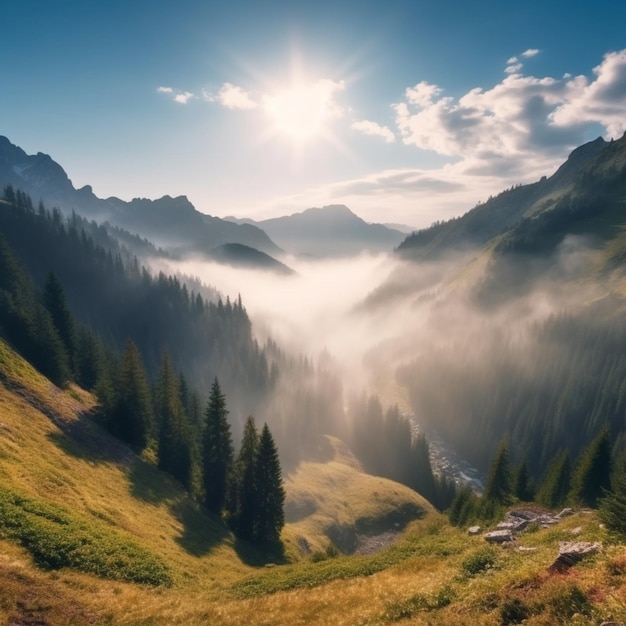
[(92, 534), (75, 503), (140, 552)]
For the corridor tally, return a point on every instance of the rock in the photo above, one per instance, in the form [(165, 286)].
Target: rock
[(516, 525), (577, 530), (565, 513), (474, 530), (522, 514), (499, 536), (571, 552), (526, 549)]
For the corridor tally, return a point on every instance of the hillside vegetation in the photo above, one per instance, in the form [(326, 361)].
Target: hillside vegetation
[(63, 479)]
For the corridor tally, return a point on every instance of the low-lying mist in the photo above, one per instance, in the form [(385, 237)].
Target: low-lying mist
[(478, 346), (312, 311)]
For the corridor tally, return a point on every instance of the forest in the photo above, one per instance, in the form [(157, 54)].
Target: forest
[(77, 303)]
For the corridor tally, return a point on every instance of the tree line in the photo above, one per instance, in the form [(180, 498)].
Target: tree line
[(150, 349), (387, 445), (595, 480), (162, 420), (554, 390)]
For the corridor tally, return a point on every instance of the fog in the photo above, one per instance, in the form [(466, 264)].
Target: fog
[(374, 312), (312, 311), (467, 343)]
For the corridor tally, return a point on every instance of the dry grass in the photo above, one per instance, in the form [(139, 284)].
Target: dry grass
[(51, 452), (326, 500)]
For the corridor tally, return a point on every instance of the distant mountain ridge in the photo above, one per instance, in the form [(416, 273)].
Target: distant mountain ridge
[(329, 231), (501, 247), (171, 222), (502, 212)]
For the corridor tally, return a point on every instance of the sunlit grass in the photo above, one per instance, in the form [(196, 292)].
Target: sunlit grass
[(58, 464)]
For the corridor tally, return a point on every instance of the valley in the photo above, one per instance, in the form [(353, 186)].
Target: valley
[(401, 397)]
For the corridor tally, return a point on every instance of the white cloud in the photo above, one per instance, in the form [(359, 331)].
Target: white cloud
[(423, 94), (234, 97), (513, 132), (531, 52), (373, 128), (514, 68), (601, 100), (518, 118), (183, 98)]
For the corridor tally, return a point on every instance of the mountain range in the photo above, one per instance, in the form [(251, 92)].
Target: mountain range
[(174, 224), (504, 244), (330, 231)]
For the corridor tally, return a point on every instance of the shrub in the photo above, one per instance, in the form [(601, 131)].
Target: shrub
[(56, 538)]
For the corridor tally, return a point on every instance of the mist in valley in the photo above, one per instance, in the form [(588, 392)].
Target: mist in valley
[(473, 347)]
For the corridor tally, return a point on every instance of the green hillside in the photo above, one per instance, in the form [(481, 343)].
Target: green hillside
[(78, 508), (64, 478)]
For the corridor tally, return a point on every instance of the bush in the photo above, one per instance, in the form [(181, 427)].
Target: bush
[(478, 562), (56, 538)]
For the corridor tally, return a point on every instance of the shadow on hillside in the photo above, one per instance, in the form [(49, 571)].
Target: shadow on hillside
[(200, 533), (149, 485), (265, 555), (85, 439), (321, 450)]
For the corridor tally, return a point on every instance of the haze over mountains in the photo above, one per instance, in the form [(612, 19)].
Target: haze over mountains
[(507, 324), (522, 233), (332, 231), (176, 225)]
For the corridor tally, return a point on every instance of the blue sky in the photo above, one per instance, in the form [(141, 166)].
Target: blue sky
[(406, 111)]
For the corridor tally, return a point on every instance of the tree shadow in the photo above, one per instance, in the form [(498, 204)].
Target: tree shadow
[(85, 439), (150, 485), (263, 555), (201, 532)]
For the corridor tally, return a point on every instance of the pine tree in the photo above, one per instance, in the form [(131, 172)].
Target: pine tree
[(270, 491), (217, 450), (612, 507), (464, 507), (243, 506), (422, 479), (593, 471), (499, 481), (556, 483), (131, 419), (56, 305), (175, 450), (89, 359), (521, 483)]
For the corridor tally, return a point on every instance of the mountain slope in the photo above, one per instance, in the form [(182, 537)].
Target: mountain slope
[(51, 453), (502, 246), (328, 231), (238, 255), (497, 215), (170, 222)]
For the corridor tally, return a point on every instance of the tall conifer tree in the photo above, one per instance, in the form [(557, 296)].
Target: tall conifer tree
[(613, 506), (556, 484), (131, 419), (244, 489), (217, 450), (56, 305), (593, 471), (270, 490), (499, 480), (175, 454)]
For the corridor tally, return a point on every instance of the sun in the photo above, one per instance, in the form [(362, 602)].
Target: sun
[(302, 111)]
